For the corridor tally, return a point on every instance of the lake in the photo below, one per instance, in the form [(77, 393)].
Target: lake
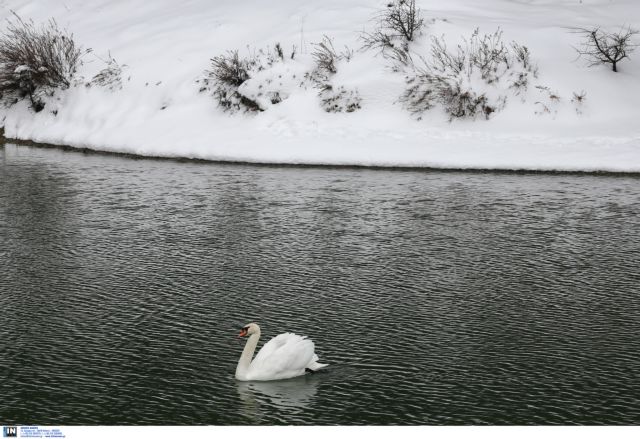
[(436, 297)]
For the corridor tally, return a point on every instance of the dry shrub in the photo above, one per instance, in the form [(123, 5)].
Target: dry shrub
[(471, 80), (227, 73), (35, 61), (333, 99), (110, 77)]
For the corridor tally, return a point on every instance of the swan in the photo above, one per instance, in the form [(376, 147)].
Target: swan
[(284, 356)]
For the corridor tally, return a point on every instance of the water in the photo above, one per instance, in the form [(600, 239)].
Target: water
[(437, 298)]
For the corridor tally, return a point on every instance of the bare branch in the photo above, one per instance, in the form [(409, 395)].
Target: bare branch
[(395, 27), (602, 47)]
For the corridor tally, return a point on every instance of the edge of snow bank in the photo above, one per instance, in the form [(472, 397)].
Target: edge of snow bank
[(322, 164)]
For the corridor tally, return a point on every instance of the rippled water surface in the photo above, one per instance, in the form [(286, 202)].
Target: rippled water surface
[(437, 298)]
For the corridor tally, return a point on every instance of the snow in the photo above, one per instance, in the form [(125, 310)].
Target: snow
[(166, 46)]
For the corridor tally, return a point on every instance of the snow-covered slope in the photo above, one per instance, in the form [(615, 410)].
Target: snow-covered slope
[(166, 46)]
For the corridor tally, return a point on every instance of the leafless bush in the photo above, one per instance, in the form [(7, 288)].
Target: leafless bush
[(601, 47), (326, 57), (333, 99), (251, 83), (400, 20), (548, 101), (35, 61), (522, 56), (457, 96), (280, 52), (471, 80), (110, 77), (578, 100), (265, 58), (395, 27), (486, 54), (227, 73), (230, 68), (522, 68)]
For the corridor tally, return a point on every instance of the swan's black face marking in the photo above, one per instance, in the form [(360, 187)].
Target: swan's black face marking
[(244, 331)]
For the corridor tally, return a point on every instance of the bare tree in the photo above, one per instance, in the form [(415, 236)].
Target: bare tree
[(601, 47), (396, 26), (402, 17)]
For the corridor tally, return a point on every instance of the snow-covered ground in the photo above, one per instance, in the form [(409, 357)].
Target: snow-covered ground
[(167, 45)]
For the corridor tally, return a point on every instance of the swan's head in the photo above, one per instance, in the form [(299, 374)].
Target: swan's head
[(251, 328)]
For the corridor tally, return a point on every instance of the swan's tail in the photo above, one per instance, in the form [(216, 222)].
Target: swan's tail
[(314, 365)]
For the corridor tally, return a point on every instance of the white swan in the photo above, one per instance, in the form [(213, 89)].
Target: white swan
[(284, 356)]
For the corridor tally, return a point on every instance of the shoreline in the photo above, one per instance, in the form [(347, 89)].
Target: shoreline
[(86, 150)]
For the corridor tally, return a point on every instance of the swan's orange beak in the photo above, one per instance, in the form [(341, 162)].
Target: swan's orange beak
[(243, 333)]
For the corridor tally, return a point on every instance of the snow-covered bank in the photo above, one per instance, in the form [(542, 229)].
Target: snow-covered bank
[(167, 46)]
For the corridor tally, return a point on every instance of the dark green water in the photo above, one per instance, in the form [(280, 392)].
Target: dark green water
[(437, 298)]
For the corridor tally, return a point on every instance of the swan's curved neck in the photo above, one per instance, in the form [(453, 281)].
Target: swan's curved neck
[(247, 355)]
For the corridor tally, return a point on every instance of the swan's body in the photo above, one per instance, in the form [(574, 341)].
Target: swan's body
[(284, 356)]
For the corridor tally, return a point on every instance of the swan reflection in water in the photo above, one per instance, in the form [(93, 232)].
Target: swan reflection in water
[(293, 395)]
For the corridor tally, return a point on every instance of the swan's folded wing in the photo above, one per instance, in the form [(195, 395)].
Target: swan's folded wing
[(283, 355)]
